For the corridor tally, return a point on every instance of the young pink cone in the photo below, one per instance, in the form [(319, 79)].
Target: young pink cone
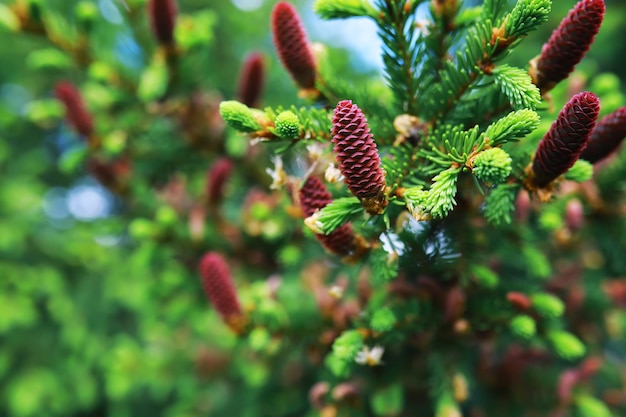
[(562, 145), (251, 80), (162, 14), (567, 44), (574, 215), (358, 157), (216, 180), (292, 45), (220, 289), (313, 197), (609, 133), (76, 112)]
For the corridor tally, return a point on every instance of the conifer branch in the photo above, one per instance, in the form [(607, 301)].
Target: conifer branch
[(336, 213), (499, 204), (400, 51)]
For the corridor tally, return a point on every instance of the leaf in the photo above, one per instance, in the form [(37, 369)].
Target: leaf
[(499, 204), (514, 125), (338, 212), (526, 16), (517, 85), (153, 82), (47, 59), (388, 401)]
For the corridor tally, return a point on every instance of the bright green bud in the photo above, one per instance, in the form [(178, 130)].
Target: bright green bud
[(86, 12), (566, 345), (142, 229), (239, 116), (166, 216), (492, 165), (605, 83), (8, 19), (348, 345), (551, 219), (259, 339), (484, 276), (341, 9), (287, 125), (383, 320), (580, 172), (591, 407), (337, 366), (523, 327), (547, 305)]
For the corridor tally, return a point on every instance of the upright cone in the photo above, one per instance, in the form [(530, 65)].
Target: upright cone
[(220, 289), (358, 157), (562, 145), (292, 45), (567, 44)]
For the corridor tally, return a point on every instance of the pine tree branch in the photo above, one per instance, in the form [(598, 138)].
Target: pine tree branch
[(400, 51)]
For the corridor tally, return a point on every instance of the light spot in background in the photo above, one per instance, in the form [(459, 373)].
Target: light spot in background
[(55, 204), (108, 240), (392, 243), (128, 51), (15, 97), (247, 5), (357, 34), (360, 35), (110, 12), (89, 201)]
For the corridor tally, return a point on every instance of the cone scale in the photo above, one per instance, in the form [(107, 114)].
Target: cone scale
[(358, 157), (562, 145)]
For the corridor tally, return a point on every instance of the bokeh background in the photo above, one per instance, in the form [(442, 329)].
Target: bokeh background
[(101, 310)]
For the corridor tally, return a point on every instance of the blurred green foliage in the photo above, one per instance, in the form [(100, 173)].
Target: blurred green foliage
[(105, 316)]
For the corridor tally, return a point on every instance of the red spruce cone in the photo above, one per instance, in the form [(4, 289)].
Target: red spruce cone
[(314, 196), (518, 300), (567, 44), (561, 147), (292, 45), (219, 287), (162, 15), (251, 80), (358, 158), (114, 175), (76, 112), (606, 137), (216, 179)]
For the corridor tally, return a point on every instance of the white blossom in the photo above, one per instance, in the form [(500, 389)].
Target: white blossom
[(278, 174), (370, 357)]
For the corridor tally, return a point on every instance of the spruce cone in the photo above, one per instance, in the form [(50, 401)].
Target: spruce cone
[(292, 45), (562, 145), (219, 287), (76, 112), (313, 197), (606, 137), (567, 44), (251, 80), (216, 179), (358, 158), (114, 175), (162, 15)]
